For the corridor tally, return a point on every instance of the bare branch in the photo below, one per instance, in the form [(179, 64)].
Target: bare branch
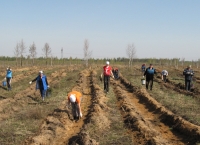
[(22, 49), (16, 52), (87, 53), (47, 51), (32, 51), (131, 52)]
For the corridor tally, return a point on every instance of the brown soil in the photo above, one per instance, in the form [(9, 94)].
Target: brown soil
[(59, 126), (149, 121), (146, 120), (9, 106)]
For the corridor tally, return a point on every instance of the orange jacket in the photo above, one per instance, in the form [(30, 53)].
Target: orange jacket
[(77, 94)]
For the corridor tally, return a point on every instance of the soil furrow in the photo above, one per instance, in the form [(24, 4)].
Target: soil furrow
[(180, 88), (59, 127), (147, 126), (146, 119), (12, 105)]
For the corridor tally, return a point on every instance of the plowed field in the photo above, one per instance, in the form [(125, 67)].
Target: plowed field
[(127, 115)]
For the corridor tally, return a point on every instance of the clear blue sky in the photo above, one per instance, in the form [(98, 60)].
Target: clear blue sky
[(157, 28)]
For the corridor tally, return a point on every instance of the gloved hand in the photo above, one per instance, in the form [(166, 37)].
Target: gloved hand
[(48, 86), (143, 76), (5, 78), (188, 73), (30, 82), (81, 115)]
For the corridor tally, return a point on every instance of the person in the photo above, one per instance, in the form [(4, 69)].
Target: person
[(41, 84), (164, 75), (9, 78), (143, 67), (74, 99), (116, 73), (107, 72), (149, 73), (188, 72)]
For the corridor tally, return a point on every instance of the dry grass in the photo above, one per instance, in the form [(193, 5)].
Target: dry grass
[(185, 106), (117, 133), (27, 121)]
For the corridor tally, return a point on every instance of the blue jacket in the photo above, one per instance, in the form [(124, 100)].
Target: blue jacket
[(149, 73), (143, 68), (188, 74), (44, 84), (9, 74)]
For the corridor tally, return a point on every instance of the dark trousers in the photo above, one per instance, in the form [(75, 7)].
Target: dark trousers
[(116, 75), (149, 82), (8, 80), (43, 93), (75, 110), (187, 85), (165, 78), (106, 83)]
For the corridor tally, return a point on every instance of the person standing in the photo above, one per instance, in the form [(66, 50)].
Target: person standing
[(188, 72), (107, 72), (74, 99), (41, 84), (8, 78), (164, 75), (149, 73), (143, 68)]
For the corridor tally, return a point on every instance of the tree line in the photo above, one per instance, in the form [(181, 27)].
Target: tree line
[(48, 59)]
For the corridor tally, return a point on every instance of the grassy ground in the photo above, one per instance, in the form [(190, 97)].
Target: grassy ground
[(183, 105), (27, 121), (117, 134)]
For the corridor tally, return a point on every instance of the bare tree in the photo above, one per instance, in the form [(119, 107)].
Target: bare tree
[(131, 52), (33, 53), (47, 51), (22, 49), (87, 53), (16, 52), (182, 61)]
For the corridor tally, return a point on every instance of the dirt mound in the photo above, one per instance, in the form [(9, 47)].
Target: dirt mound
[(60, 128), (187, 131), (96, 118), (178, 87), (10, 106)]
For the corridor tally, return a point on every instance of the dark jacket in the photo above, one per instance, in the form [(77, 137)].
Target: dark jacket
[(41, 83), (149, 73), (143, 68), (188, 74)]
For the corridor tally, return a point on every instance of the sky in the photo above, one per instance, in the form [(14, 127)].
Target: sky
[(157, 28)]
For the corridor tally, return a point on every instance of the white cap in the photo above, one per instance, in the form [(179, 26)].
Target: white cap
[(41, 72), (72, 98), (107, 62)]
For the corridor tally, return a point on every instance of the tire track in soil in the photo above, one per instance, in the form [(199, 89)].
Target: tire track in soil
[(144, 124), (11, 106), (59, 127)]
